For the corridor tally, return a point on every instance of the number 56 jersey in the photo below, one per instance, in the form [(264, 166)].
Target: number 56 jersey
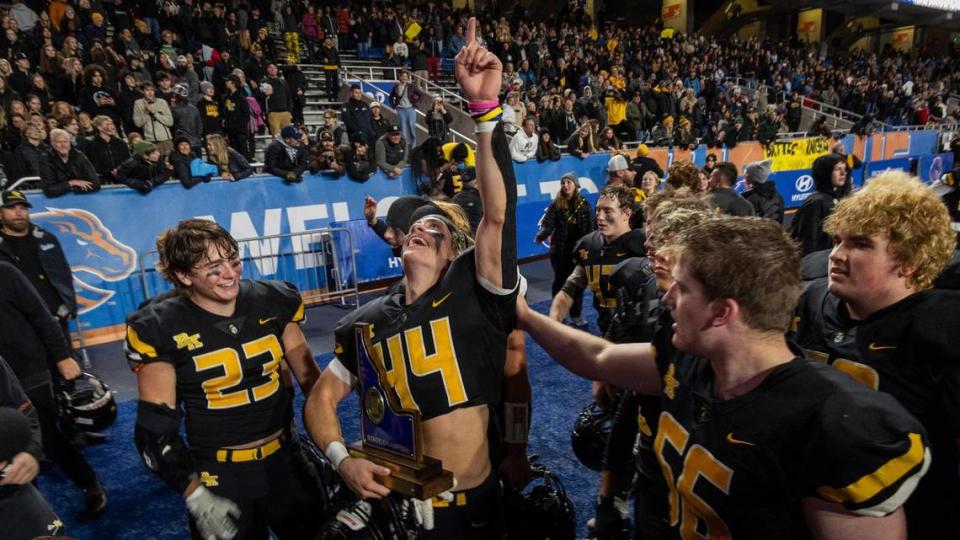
[(227, 368)]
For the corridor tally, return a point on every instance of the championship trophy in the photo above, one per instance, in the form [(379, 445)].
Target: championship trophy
[(392, 436)]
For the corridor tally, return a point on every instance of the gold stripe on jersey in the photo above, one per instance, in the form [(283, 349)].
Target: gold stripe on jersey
[(298, 316), (138, 345), (885, 476)]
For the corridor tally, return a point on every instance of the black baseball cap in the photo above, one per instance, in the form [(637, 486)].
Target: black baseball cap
[(15, 197), (393, 129)]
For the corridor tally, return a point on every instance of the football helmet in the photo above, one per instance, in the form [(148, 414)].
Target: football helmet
[(87, 403), (591, 432), (543, 512)]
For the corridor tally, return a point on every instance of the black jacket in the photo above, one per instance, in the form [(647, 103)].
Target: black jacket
[(356, 116), (807, 225), (142, 175), (766, 200), (359, 168), (278, 163), (31, 340), (236, 113), (55, 173), (28, 159), (727, 201), (13, 396), (280, 100), (54, 264), (211, 113), (181, 169), (105, 156)]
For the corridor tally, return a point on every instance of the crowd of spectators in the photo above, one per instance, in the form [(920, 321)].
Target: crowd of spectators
[(113, 74)]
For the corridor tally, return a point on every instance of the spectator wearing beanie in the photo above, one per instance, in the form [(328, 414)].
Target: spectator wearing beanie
[(209, 109), (392, 152), (287, 157), (642, 162), (144, 170), (722, 195), (832, 183), (186, 118), (762, 193), (180, 160), (65, 169)]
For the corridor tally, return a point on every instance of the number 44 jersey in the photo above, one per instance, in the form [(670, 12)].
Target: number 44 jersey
[(227, 368)]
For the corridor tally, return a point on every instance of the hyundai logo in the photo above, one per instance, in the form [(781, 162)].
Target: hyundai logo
[(804, 183)]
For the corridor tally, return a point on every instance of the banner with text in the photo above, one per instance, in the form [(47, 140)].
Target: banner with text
[(796, 154)]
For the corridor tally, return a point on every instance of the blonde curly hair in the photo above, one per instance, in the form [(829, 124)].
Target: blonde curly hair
[(683, 174), (917, 222)]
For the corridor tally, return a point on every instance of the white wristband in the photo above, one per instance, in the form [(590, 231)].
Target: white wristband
[(336, 452), (486, 127)]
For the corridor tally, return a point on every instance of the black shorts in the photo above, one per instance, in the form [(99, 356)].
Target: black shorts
[(476, 513), (25, 514), (272, 493)]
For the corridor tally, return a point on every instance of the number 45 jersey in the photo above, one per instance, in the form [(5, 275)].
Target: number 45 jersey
[(227, 368)]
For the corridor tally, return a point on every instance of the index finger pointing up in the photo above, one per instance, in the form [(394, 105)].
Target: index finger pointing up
[(471, 30)]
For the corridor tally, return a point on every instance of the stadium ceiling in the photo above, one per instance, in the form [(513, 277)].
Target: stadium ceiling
[(939, 13)]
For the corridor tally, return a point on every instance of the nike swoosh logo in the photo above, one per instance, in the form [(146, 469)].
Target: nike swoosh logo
[(268, 319), (621, 254), (731, 440), (440, 301), (874, 347)]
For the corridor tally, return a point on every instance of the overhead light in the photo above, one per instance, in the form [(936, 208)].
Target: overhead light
[(894, 6)]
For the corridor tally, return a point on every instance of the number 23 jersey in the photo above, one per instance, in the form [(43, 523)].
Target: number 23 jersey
[(227, 368), (739, 468)]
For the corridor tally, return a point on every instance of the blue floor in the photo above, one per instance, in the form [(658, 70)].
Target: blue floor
[(142, 507)]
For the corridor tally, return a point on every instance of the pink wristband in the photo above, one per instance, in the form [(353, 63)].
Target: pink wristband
[(480, 106)]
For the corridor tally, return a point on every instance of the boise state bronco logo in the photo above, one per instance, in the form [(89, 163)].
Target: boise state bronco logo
[(92, 251)]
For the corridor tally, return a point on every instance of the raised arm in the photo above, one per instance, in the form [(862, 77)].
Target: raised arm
[(479, 73)]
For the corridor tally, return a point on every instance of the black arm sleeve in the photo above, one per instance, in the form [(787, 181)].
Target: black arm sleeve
[(380, 228), (158, 441), (618, 454), (36, 312), (12, 395), (508, 240)]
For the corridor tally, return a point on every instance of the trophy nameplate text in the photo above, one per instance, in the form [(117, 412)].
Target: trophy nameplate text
[(392, 436)]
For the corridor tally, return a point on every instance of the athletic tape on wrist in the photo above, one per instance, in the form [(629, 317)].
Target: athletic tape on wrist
[(516, 419), (486, 127), (336, 452)]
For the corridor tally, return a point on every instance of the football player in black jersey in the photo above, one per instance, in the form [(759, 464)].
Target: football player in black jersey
[(753, 440), (444, 338), (215, 349), (598, 252), (891, 240)]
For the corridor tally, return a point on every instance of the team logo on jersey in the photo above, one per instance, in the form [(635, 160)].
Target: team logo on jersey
[(670, 382), (187, 341), (838, 337), (584, 254), (440, 301), (209, 480), (265, 321), (92, 251), (732, 440), (233, 329), (874, 347)]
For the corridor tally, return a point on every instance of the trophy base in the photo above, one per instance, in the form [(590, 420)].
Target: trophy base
[(407, 477)]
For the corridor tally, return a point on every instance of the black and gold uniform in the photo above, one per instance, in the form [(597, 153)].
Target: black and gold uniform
[(446, 350), (824, 329), (595, 260), (229, 385), (738, 468), (910, 350)]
